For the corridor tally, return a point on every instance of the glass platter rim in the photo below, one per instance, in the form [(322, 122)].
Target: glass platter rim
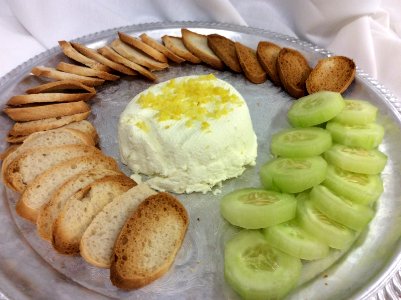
[(389, 281)]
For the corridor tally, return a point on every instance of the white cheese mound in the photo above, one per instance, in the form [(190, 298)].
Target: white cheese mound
[(187, 134)]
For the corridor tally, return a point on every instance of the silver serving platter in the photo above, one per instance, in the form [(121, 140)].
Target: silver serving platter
[(30, 269)]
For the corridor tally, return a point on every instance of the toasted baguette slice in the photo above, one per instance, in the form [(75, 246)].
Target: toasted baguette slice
[(82, 208), (33, 113), (159, 47), (30, 164), (8, 151), (98, 240), (293, 70), (48, 97), (267, 54), (249, 63), (41, 189), (175, 45), (138, 44), (60, 86), (70, 52), (100, 58), (149, 241), (50, 210), (224, 48), (331, 74), (82, 126), (84, 71), (57, 75), (136, 56), (29, 127), (113, 55), (56, 137), (197, 44)]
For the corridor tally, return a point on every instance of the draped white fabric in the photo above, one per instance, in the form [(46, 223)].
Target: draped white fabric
[(368, 31)]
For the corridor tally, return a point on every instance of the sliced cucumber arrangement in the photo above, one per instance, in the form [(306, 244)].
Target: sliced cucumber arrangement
[(358, 160), (257, 208), (357, 112), (291, 239), (293, 175), (360, 188), (367, 136), (315, 109), (256, 270), (317, 194), (319, 225), (340, 209), (300, 142)]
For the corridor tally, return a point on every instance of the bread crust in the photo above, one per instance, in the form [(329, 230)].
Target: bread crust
[(136, 43), (52, 73), (175, 45), (136, 56), (84, 71), (60, 86), (161, 48), (113, 55), (194, 42), (224, 48), (267, 54), (249, 63), (70, 52), (293, 70), (334, 74), (26, 128), (46, 111), (104, 60), (155, 213)]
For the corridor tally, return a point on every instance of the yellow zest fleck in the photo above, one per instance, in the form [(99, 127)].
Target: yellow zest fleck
[(142, 125), (195, 100)]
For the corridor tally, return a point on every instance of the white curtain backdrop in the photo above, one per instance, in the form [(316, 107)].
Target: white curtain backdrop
[(367, 31)]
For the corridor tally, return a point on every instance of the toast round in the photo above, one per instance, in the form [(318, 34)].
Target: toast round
[(60, 86), (44, 185), (58, 75), (136, 43), (293, 70), (84, 71), (224, 48), (34, 113), (149, 241), (175, 45), (267, 54), (161, 48), (29, 164), (98, 240), (48, 97), (249, 63), (334, 74), (49, 211), (198, 46), (79, 211)]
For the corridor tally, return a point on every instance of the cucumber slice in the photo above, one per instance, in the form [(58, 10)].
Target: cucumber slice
[(321, 227), (293, 175), (315, 109), (256, 270), (340, 209), (358, 160), (357, 112), (291, 239), (360, 188), (257, 208), (367, 136), (300, 142)]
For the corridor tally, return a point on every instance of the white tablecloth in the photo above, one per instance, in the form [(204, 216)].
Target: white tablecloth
[(368, 31)]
